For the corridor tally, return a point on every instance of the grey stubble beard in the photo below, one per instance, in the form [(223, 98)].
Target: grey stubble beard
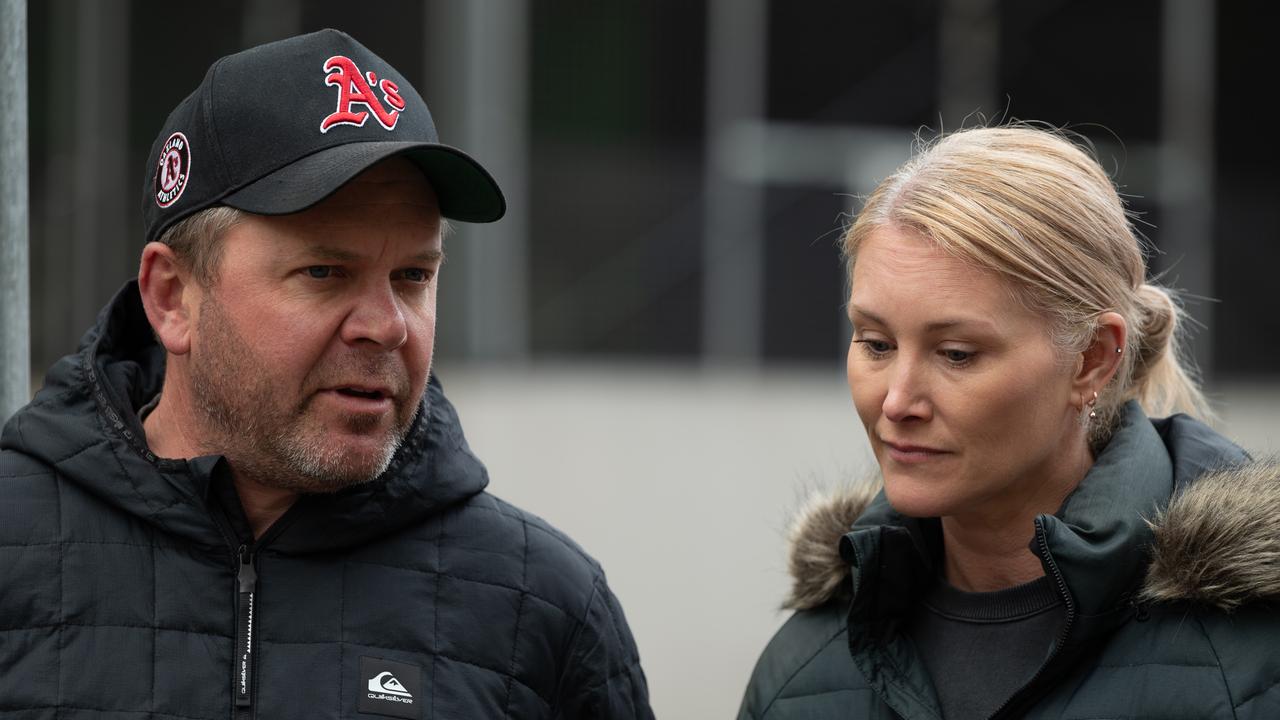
[(273, 445)]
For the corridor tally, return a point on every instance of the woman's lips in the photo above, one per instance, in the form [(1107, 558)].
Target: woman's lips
[(910, 454)]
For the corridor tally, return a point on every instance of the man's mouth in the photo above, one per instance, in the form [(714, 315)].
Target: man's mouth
[(357, 392)]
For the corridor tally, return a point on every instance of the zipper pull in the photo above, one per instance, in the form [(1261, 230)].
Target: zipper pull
[(248, 576), (242, 676)]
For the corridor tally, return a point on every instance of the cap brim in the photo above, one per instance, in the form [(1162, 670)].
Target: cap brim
[(464, 189)]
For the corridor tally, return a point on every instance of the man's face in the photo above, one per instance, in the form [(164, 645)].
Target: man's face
[(310, 352)]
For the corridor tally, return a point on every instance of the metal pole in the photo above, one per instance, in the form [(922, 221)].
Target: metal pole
[(101, 181), (15, 301), (968, 74), (1187, 172), (477, 81), (733, 229), (267, 20), (497, 88)]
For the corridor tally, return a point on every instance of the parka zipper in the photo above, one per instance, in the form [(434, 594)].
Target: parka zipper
[(1042, 541), (242, 674), (246, 626)]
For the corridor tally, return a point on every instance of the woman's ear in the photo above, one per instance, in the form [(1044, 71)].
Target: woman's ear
[(166, 286), (1101, 359)]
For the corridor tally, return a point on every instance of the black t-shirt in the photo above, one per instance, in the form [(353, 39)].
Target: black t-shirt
[(980, 648)]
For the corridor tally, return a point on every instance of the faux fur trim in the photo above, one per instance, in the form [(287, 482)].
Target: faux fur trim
[(1218, 543), (818, 572)]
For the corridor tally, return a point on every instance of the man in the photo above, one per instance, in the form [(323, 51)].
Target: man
[(246, 496)]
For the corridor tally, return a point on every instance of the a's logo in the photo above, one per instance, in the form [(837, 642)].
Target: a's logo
[(386, 682), (390, 688), (173, 170), (356, 88)]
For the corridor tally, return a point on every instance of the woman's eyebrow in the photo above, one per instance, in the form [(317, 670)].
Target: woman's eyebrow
[(950, 323), (933, 326), (858, 312)]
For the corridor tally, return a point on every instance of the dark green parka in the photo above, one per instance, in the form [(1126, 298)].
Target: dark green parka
[(1167, 619)]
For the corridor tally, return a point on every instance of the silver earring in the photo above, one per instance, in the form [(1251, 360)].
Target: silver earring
[(1119, 350), (1093, 414)]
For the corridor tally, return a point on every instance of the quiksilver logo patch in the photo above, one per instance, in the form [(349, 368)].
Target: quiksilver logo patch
[(173, 170), (390, 688)]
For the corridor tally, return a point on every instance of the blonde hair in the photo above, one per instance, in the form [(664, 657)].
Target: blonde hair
[(1033, 207)]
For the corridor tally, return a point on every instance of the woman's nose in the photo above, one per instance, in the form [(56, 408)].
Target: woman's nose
[(906, 397)]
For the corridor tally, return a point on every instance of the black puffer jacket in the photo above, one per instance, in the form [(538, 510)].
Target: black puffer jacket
[(1170, 604), (419, 595)]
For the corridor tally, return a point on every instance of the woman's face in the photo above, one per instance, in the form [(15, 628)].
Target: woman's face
[(967, 404)]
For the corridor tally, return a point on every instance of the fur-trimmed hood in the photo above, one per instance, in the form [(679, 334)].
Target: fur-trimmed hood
[(1216, 543)]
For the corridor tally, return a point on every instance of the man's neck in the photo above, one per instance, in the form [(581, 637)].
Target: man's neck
[(170, 434), (262, 505)]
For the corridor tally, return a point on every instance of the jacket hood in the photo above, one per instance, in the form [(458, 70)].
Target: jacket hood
[(818, 573), (84, 423), (1217, 542)]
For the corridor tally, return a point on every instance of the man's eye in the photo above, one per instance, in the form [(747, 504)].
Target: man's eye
[(420, 276), (320, 272)]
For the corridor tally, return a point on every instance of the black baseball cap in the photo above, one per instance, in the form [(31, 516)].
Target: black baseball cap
[(277, 128)]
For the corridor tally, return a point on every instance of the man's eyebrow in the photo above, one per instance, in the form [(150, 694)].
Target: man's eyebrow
[(325, 252), (334, 254), (428, 257)]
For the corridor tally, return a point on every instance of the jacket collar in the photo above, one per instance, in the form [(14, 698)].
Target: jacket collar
[(84, 423)]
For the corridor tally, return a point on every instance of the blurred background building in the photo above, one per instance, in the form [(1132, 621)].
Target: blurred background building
[(648, 350)]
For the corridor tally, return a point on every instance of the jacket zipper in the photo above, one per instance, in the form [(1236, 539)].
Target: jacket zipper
[(1043, 543), (242, 669)]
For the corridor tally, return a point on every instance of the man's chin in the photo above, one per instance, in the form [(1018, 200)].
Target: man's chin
[(334, 461), (332, 477)]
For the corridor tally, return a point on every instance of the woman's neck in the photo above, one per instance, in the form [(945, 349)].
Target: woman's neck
[(990, 549), (983, 561)]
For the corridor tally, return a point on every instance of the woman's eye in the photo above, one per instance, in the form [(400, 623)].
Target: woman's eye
[(320, 272), (874, 348), (958, 357)]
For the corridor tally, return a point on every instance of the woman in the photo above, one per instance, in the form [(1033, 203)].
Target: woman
[(1006, 354)]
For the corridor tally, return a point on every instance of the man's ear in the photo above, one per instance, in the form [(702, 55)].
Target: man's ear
[(167, 289), (1101, 359)]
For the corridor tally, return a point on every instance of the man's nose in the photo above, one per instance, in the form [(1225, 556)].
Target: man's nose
[(377, 317)]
